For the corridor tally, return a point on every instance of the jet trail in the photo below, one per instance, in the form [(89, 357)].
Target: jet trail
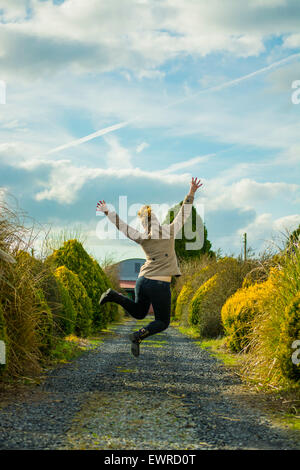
[(106, 130), (120, 125)]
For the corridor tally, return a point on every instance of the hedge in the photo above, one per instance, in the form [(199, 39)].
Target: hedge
[(81, 302), (203, 311), (76, 259), (239, 312), (66, 316), (182, 304)]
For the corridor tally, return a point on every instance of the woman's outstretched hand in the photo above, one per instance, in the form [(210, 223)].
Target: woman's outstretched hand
[(195, 184), (101, 206)]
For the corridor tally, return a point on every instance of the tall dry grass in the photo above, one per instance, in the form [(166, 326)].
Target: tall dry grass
[(54, 239), (263, 360), (112, 270), (24, 314)]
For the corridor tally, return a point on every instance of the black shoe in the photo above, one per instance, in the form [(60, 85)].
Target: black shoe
[(135, 344), (107, 296), (136, 338)]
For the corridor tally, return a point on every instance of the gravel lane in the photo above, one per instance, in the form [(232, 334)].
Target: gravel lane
[(174, 396)]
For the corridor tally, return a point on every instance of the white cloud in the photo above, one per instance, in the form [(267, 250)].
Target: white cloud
[(141, 147), (13, 10), (266, 230), (188, 163), (292, 41), (105, 36), (245, 193), (66, 180), (152, 74), (3, 191), (287, 223), (117, 156)]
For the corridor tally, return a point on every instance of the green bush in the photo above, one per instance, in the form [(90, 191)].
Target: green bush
[(76, 259), (228, 277), (56, 295), (275, 325), (182, 304), (204, 311), (66, 317), (237, 315), (194, 276), (174, 296), (243, 312), (290, 331), (45, 324), (208, 299), (81, 302), (111, 311)]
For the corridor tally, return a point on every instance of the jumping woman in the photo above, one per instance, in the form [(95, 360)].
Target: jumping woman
[(154, 280)]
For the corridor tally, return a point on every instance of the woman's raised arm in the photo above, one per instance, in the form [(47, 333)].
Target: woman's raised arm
[(128, 231), (185, 208)]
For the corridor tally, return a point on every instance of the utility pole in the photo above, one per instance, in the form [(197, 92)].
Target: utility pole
[(245, 246)]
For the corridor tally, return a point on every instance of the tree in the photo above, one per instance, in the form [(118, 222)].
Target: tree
[(193, 225)]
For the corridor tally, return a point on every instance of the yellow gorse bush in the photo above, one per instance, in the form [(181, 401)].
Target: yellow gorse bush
[(187, 292), (239, 311), (182, 303), (277, 325), (203, 310)]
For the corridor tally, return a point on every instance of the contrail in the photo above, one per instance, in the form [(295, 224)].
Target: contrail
[(115, 127), (187, 163), (106, 130), (237, 80)]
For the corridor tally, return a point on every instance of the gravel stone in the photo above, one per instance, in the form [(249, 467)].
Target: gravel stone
[(173, 396)]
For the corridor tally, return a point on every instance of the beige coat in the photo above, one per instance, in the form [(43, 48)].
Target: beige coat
[(159, 244)]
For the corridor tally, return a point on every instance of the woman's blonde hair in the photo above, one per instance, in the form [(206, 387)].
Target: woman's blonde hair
[(149, 218), (145, 211)]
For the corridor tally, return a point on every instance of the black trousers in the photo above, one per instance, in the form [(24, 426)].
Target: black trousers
[(149, 291)]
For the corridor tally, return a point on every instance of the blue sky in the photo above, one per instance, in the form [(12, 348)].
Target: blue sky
[(203, 89)]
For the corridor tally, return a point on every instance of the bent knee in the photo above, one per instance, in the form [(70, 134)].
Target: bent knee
[(140, 316), (164, 325), (141, 313)]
